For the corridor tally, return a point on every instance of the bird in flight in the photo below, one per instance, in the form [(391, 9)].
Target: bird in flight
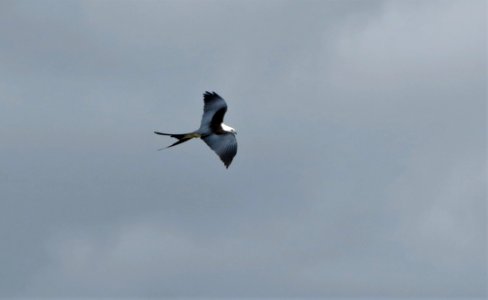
[(217, 135)]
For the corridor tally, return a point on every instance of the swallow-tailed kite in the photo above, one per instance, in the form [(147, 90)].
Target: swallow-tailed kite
[(217, 135)]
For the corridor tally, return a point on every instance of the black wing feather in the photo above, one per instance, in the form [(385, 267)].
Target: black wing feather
[(225, 145), (214, 109)]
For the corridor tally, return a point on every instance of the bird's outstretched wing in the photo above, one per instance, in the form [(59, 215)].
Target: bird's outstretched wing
[(214, 109), (225, 145)]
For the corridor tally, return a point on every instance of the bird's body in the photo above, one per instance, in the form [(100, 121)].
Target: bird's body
[(217, 135)]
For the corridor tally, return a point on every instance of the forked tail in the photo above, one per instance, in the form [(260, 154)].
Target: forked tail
[(183, 137)]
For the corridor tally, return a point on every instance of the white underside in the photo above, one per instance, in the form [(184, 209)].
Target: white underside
[(227, 128)]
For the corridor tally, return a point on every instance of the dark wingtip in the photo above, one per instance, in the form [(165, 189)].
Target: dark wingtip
[(227, 163), (210, 94)]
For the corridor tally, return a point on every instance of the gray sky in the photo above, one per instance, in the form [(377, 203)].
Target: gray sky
[(361, 168)]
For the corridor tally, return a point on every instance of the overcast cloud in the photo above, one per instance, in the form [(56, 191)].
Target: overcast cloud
[(361, 168)]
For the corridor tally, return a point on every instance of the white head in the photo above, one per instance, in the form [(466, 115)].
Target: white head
[(228, 128)]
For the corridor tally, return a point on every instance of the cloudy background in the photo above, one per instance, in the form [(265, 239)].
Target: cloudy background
[(361, 168)]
